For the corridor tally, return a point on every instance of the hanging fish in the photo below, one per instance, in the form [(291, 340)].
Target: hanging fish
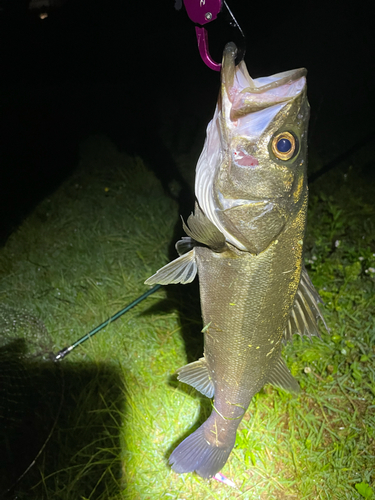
[(245, 241)]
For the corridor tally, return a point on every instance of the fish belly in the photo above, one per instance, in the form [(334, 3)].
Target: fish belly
[(245, 323)]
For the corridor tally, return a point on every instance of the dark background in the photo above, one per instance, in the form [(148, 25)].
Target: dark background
[(132, 71)]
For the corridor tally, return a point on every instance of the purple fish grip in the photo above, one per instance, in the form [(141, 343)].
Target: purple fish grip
[(202, 11), (202, 40)]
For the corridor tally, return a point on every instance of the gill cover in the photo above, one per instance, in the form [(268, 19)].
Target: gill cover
[(250, 177)]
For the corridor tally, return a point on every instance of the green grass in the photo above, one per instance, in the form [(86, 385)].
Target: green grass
[(85, 252)]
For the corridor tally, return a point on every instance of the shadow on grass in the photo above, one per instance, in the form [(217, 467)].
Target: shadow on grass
[(66, 417)]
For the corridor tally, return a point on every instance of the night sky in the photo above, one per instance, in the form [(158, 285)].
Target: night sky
[(130, 69)]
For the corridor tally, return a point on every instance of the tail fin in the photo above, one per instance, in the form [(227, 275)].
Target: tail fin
[(197, 453)]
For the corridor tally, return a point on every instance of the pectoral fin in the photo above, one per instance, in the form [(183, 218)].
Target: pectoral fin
[(181, 270), (197, 375), (201, 229), (185, 245), (282, 377), (305, 313)]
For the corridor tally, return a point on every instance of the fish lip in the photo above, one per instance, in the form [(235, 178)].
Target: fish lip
[(239, 76), (285, 78)]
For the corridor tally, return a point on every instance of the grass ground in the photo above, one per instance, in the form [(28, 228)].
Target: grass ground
[(85, 252)]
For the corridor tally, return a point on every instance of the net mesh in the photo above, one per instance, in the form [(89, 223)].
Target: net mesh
[(31, 391)]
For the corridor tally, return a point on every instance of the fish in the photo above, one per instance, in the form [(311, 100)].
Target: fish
[(245, 242)]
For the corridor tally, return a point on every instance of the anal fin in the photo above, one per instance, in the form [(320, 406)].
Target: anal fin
[(281, 377), (197, 375)]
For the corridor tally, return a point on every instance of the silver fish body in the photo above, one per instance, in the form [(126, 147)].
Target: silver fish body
[(245, 242)]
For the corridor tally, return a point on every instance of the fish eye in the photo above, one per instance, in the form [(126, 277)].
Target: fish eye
[(284, 145)]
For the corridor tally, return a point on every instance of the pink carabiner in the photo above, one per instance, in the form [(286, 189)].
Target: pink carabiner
[(202, 40), (202, 12)]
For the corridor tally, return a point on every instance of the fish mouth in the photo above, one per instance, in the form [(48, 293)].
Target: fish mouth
[(247, 95)]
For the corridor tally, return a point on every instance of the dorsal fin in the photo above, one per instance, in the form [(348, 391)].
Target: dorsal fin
[(181, 270), (201, 229), (305, 313)]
